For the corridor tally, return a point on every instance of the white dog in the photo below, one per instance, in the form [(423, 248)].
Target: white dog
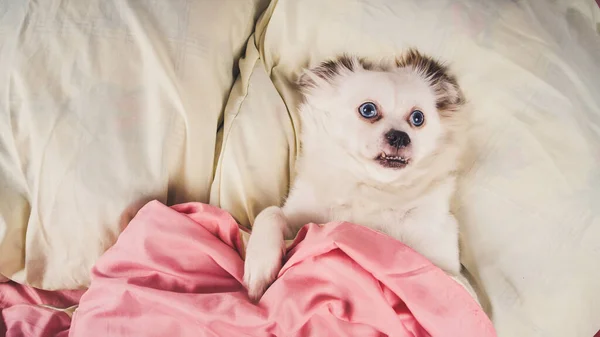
[(381, 144)]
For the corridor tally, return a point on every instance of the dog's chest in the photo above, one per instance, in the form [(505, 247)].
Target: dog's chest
[(367, 210)]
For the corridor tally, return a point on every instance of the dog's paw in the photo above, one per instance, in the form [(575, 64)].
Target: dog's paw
[(261, 267), (265, 252)]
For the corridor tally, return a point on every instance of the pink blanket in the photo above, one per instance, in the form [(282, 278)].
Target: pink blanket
[(178, 272)]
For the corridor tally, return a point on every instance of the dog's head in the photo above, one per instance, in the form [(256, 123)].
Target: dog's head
[(384, 117)]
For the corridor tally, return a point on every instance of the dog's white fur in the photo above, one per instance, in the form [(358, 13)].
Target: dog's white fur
[(338, 178)]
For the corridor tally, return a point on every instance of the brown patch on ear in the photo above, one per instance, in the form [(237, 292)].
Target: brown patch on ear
[(449, 97), (330, 69)]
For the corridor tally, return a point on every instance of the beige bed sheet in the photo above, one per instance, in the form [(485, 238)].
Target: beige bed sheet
[(529, 203), (104, 105)]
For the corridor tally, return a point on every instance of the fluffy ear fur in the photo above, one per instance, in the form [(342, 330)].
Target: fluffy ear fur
[(327, 71), (449, 97)]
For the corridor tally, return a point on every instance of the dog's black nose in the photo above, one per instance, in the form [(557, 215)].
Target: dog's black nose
[(397, 138)]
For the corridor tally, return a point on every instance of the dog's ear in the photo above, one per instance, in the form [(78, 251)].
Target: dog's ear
[(327, 71), (449, 96), (309, 79)]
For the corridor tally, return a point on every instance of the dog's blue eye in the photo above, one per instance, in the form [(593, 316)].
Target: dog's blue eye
[(368, 110), (417, 118)]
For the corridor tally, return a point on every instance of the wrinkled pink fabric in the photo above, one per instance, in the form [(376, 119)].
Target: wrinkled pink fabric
[(22, 315), (178, 272)]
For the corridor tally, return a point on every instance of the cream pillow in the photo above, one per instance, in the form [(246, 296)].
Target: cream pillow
[(106, 104), (530, 202)]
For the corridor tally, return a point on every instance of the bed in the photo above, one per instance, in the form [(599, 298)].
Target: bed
[(108, 104)]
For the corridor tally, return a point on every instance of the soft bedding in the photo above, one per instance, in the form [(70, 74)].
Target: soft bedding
[(178, 272), (109, 103), (104, 105), (529, 200), (29, 312)]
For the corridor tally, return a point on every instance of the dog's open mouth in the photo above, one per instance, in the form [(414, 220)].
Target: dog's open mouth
[(387, 160)]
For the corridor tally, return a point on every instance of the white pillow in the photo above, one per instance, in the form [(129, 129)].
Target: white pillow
[(530, 202), (106, 104)]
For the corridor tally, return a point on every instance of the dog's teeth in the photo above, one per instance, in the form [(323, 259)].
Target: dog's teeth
[(383, 155)]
